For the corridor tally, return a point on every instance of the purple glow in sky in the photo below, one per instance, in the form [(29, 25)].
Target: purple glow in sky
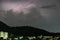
[(42, 13), (18, 6)]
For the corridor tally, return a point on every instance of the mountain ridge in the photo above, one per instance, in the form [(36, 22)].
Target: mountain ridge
[(25, 30)]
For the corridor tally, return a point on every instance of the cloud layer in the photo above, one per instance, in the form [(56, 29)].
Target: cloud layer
[(45, 18)]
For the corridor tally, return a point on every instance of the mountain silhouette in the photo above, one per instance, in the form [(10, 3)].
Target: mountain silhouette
[(3, 26), (28, 31), (25, 30)]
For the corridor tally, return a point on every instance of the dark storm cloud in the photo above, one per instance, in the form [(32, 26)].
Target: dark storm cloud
[(32, 18), (44, 16)]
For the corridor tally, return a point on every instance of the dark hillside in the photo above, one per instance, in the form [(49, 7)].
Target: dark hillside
[(28, 30), (25, 30), (3, 26)]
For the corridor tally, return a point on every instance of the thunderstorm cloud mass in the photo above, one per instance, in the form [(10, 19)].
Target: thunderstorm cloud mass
[(42, 14), (17, 6)]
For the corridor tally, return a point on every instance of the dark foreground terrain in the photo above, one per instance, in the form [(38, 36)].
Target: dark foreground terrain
[(25, 30)]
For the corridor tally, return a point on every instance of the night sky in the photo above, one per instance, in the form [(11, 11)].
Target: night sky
[(43, 14)]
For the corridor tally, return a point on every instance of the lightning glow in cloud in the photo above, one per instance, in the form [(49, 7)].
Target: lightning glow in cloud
[(17, 7)]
